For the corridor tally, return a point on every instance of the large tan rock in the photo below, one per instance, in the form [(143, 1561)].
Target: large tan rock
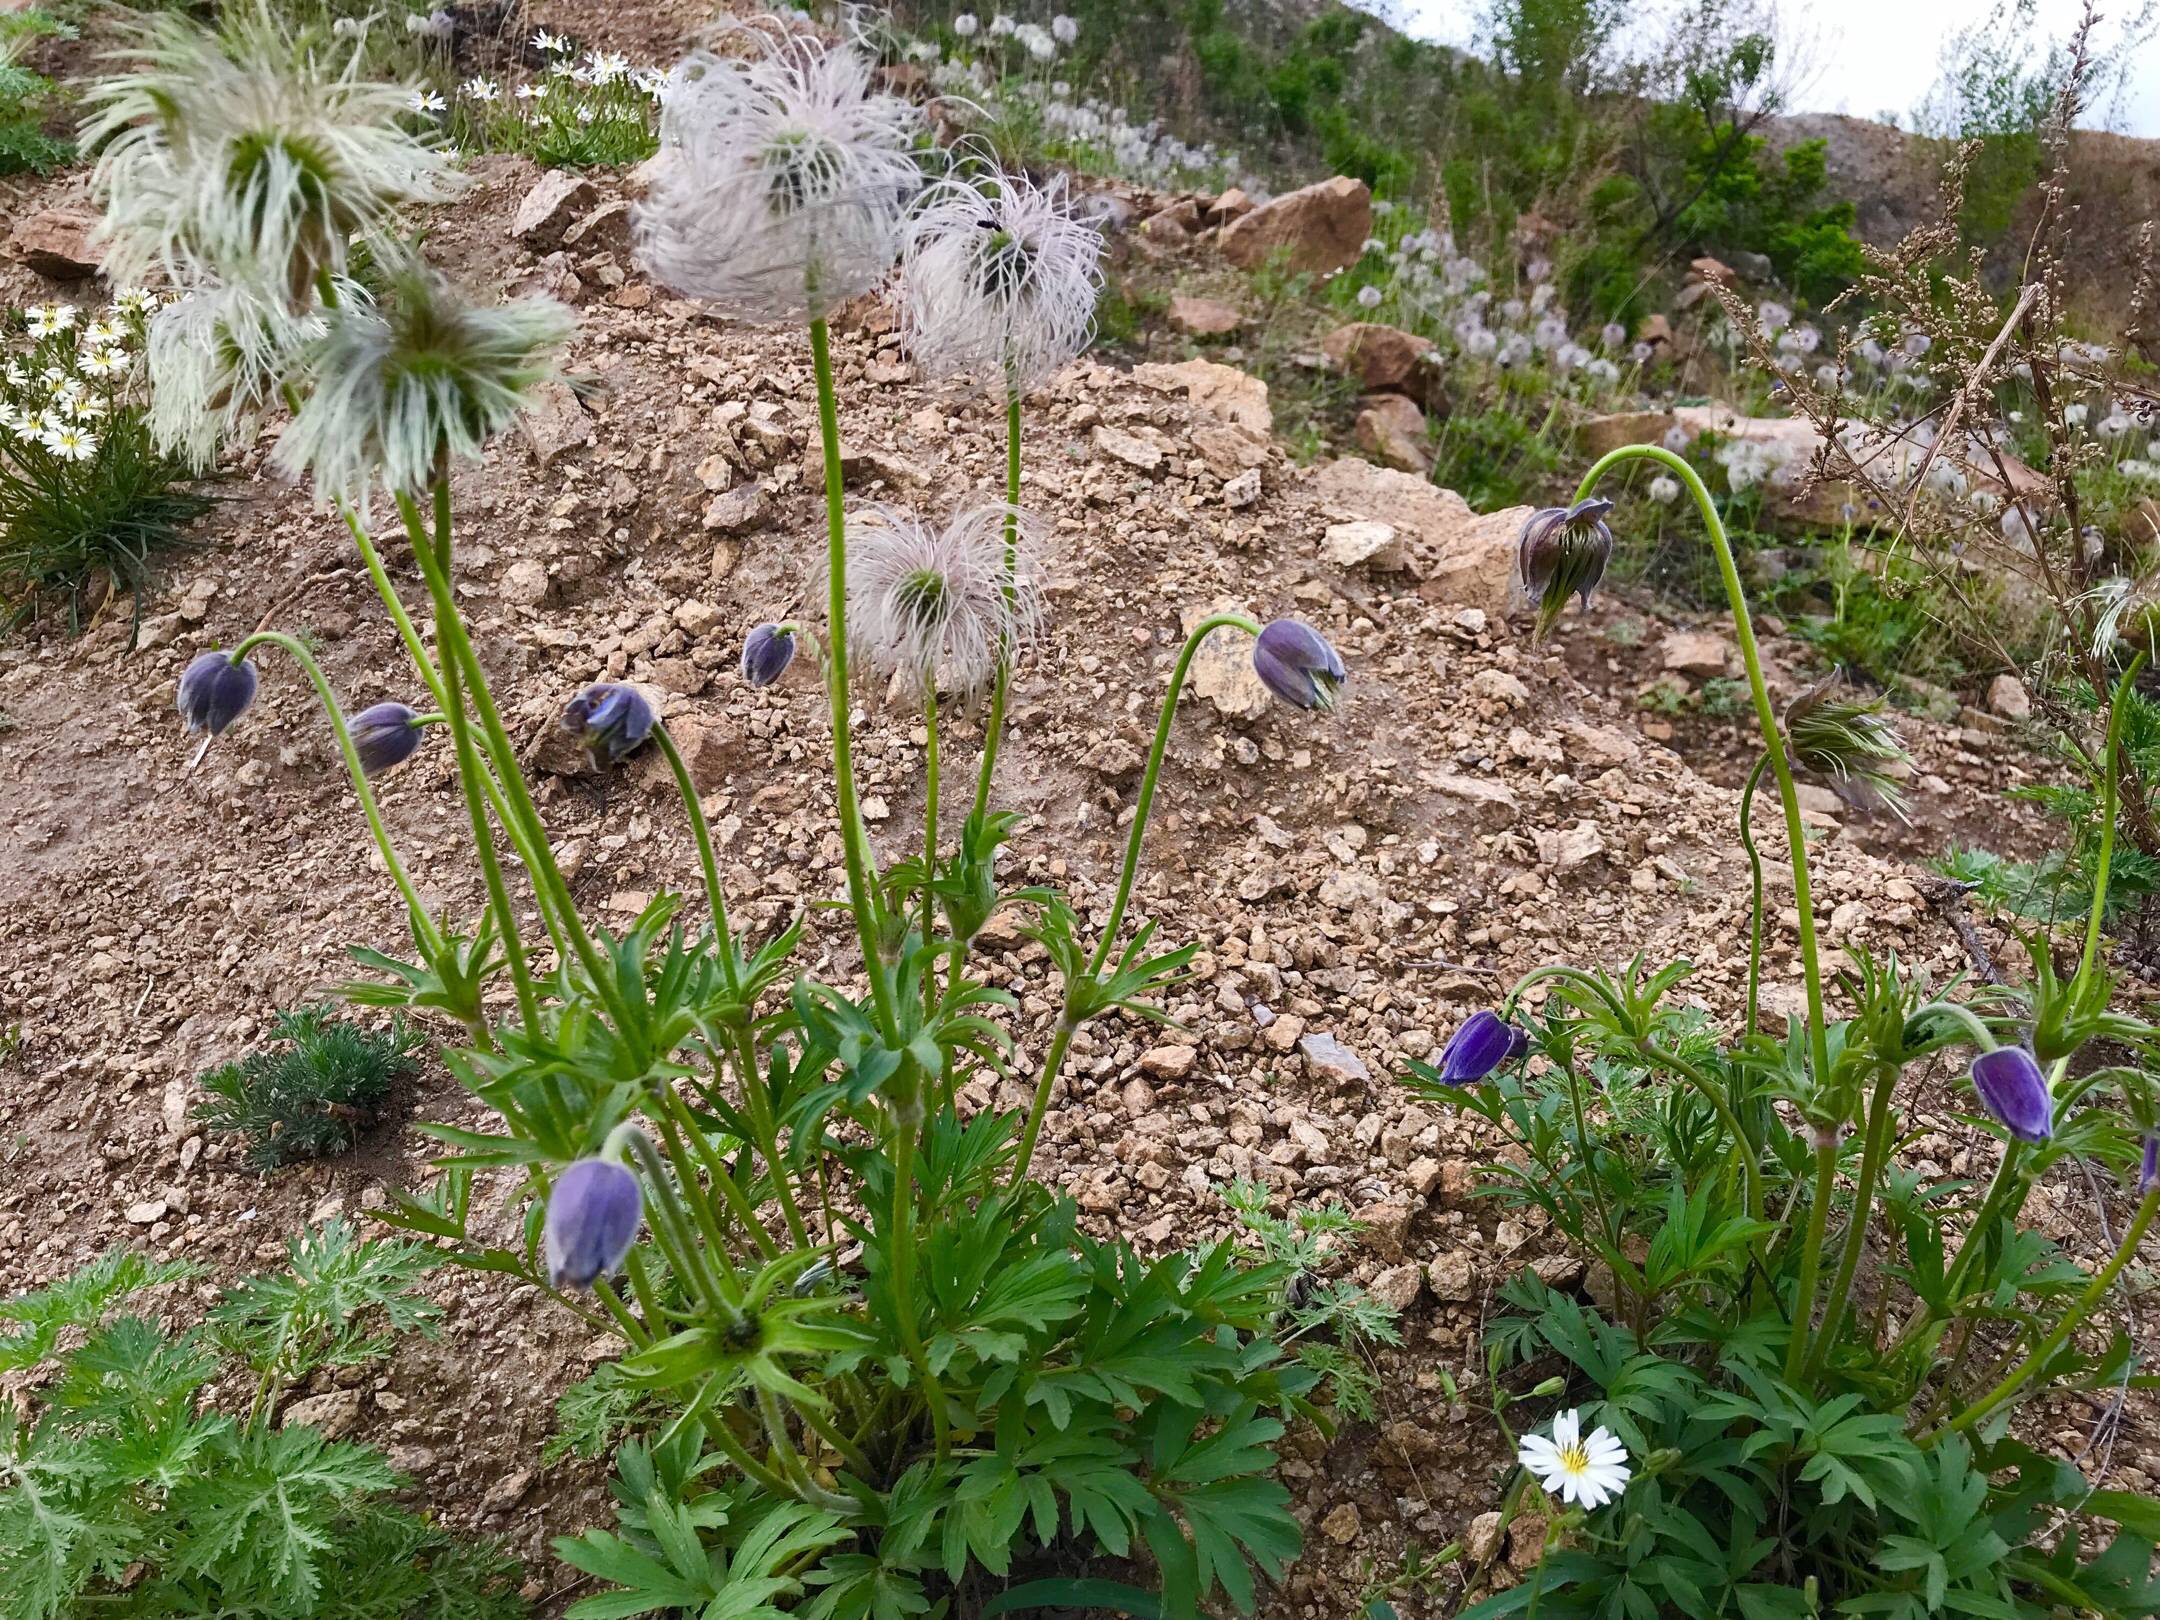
[(1203, 317), (55, 242), (1321, 228), (1467, 558), (1392, 427), (1222, 672), (1381, 358), (1231, 395), (556, 202), (1603, 434)]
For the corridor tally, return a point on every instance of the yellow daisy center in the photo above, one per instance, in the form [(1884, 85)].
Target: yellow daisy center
[(1574, 1458)]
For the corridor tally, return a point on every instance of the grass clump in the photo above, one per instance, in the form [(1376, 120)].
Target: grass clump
[(310, 1100)]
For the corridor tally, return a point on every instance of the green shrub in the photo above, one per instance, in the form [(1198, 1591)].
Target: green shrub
[(311, 1099), (122, 1493), (25, 97)]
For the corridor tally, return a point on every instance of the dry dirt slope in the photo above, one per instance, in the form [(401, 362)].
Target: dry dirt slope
[(1358, 881)]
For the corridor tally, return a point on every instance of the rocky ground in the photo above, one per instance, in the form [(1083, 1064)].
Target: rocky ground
[(1357, 882)]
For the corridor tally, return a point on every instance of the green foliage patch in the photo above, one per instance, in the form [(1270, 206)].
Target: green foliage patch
[(309, 1099)]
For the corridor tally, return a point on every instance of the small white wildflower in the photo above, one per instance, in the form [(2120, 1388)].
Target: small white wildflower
[(87, 408), (99, 335), (1664, 489), (1368, 297), (71, 443), (549, 43), (483, 90), (105, 363), (135, 301), (49, 320), (966, 25), (424, 101), (1065, 29), (527, 92), (1592, 1469)]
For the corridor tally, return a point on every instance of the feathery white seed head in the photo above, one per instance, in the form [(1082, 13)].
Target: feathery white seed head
[(396, 390), (783, 175), (216, 358), (937, 605), (999, 280), (243, 155)]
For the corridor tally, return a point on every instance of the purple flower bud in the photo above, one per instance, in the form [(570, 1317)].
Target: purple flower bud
[(215, 691), (766, 653), (2149, 1168), (612, 718), (1563, 553), (1485, 1042), (1295, 662), (592, 1219), (385, 734), (2014, 1090)]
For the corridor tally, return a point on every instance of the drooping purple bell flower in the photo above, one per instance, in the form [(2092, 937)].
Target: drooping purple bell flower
[(1562, 553), (1296, 663), (1484, 1043), (612, 718), (2149, 1166), (767, 652), (592, 1219), (2013, 1089), (385, 734), (215, 691)]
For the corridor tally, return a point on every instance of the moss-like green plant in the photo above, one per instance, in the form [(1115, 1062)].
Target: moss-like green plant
[(309, 1099)]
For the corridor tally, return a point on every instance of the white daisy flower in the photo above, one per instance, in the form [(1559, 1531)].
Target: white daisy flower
[(526, 92), (608, 67), (135, 301), (424, 101), (99, 335), (47, 320), (1592, 1470), (785, 179), (57, 379), (27, 428), (15, 374), (71, 443), (483, 90), (551, 43)]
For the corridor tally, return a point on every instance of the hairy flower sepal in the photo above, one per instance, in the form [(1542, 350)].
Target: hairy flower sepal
[(1563, 552), (755, 1341)]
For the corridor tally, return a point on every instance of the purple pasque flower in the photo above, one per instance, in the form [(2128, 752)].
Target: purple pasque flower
[(612, 718), (215, 691), (2014, 1090), (1296, 663), (766, 653), (1562, 553), (593, 1214), (2149, 1167), (1484, 1043), (385, 734)]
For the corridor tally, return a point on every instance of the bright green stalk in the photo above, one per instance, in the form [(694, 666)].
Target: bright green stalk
[(715, 896), (1755, 919), (855, 842), (1143, 804), (672, 1227), (1722, 1107), (2077, 1313), (1874, 1149), (1765, 719), (1803, 1317), (422, 924), (994, 727), (930, 798), (1053, 1061)]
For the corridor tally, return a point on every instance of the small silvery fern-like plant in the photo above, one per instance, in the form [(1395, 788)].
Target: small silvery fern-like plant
[(888, 1358)]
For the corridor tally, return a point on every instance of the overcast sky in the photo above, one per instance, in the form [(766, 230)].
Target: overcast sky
[(1870, 57)]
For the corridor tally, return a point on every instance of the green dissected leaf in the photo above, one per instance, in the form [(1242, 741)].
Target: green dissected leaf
[(80, 1300), (316, 1315)]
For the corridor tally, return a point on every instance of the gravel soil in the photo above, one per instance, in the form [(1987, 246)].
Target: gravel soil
[(1358, 882)]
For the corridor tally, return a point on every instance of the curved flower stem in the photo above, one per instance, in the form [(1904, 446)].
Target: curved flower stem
[(715, 896), (1053, 1062), (422, 924), (994, 726), (1146, 801), (1722, 1107), (1755, 917), (907, 1120), (672, 1226), (2118, 706), (1874, 1149), (1573, 977), (2077, 1313), (863, 897), (1765, 719)]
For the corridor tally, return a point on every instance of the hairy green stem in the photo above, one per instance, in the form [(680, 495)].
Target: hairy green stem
[(422, 924), (1874, 1148), (715, 896), (863, 898), (994, 726), (2118, 707), (1803, 1317), (1053, 1061), (1722, 1107), (1765, 718), (2046, 1348), (1755, 916), (930, 802)]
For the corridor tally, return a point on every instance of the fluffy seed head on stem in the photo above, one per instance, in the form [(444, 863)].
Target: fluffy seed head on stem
[(216, 359), (1848, 741), (248, 155), (215, 691), (1563, 553), (937, 605), (999, 281), (396, 390), (783, 175), (1296, 663)]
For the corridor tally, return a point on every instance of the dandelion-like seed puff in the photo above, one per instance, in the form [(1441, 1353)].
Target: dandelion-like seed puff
[(400, 388), (1000, 280), (937, 606), (783, 176), (243, 156), (215, 358)]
